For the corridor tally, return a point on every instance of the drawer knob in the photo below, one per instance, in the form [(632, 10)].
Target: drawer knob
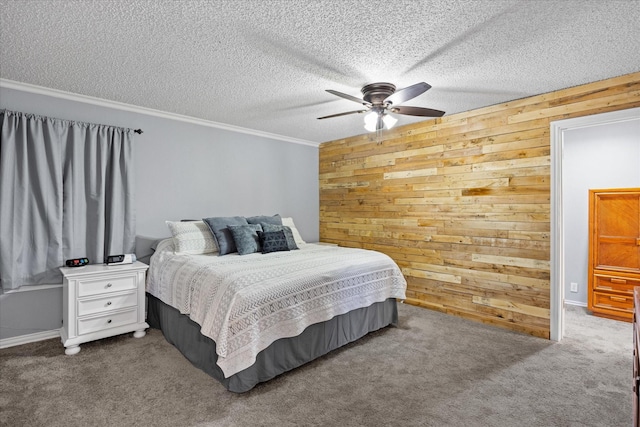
[(108, 302), (109, 321), (109, 285), (621, 299)]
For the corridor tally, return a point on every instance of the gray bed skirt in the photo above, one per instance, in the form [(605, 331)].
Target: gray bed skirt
[(281, 356)]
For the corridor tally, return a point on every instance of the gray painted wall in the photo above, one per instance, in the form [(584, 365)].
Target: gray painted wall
[(603, 156), (183, 170)]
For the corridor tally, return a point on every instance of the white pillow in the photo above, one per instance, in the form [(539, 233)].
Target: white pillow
[(296, 235), (192, 237)]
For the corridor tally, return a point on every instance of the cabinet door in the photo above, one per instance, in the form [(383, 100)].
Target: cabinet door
[(616, 228)]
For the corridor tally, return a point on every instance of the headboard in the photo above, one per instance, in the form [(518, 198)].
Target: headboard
[(145, 246)]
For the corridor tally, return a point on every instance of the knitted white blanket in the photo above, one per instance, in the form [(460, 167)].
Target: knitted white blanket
[(245, 303)]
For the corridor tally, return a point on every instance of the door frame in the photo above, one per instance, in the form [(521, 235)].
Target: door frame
[(557, 134)]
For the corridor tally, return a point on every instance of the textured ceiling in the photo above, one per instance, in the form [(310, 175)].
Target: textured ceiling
[(265, 65)]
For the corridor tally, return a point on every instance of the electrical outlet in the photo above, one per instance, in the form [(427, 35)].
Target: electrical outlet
[(574, 287)]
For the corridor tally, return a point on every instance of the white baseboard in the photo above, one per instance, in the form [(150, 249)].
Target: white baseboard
[(29, 338), (578, 303)]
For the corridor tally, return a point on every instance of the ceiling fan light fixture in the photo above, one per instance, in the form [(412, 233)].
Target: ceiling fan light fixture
[(371, 121), (389, 121)]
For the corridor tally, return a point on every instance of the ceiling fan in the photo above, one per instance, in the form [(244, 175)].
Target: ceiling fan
[(382, 99)]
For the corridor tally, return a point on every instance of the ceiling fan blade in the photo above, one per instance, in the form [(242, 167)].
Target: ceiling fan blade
[(407, 93), (417, 111), (342, 114), (349, 97)]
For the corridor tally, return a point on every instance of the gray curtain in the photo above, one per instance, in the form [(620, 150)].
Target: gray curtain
[(66, 191)]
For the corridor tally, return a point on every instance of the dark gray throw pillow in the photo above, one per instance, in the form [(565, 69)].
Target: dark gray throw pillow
[(273, 241), (246, 238), (288, 234), (276, 219), (221, 233)]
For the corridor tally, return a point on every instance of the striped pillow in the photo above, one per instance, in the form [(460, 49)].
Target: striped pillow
[(296, 234), (192, 237)]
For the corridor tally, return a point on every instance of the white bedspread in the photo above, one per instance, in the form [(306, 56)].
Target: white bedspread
[(245, 303)]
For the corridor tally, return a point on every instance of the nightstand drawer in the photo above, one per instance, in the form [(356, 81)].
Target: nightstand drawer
[(614, 284), (613, 302), (108, 303), (101, 286), (111, 320)]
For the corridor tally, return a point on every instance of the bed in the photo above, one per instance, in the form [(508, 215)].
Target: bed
[(245, 319)]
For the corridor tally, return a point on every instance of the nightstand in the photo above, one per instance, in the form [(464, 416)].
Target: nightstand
[(100, 301)]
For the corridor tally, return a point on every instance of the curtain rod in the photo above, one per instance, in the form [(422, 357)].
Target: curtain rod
[(4, 110)]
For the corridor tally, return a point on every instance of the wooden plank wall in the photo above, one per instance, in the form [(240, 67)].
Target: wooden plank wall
[(462, 203)]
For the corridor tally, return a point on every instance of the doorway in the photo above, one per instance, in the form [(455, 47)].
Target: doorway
[(565, 132)]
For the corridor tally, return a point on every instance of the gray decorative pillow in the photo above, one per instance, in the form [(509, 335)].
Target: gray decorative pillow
[(288, 234), (246, 238), (273, 241), (262, 219), (221, 233)]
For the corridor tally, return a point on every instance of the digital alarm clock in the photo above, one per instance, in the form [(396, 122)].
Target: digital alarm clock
[(121, 259), (77, 262)]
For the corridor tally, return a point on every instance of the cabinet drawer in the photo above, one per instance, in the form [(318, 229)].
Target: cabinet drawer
[(107, 303), (614, 284), (101, 286), (613, 302), (111, 320)]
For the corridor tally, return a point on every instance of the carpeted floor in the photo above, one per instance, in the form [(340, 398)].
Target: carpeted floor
[(433, 370)]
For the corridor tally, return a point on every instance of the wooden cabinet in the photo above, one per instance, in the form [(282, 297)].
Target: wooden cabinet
[(100, 301), (636, 359), (614, 251)]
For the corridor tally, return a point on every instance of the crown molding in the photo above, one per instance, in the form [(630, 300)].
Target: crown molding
[(41, 90)]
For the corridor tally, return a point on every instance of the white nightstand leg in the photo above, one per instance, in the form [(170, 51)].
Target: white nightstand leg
[(139, 334), (71, 350)]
